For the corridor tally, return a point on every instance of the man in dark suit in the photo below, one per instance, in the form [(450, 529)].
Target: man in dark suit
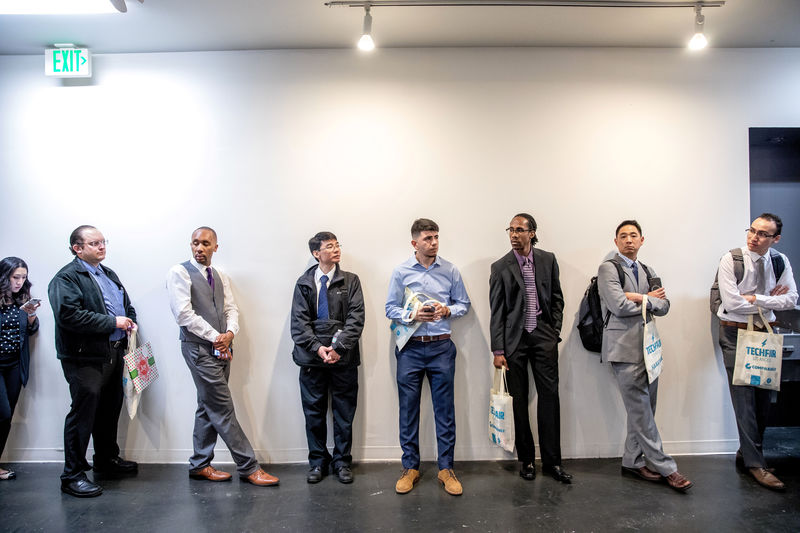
[(527, 309), (93, 315)]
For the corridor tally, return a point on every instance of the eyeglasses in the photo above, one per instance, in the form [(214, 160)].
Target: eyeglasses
[(331, 247), (95, 244), (760, 234), (518, 231)]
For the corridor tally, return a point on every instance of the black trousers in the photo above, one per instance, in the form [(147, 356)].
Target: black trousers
[(10, 387), (539, 349), (96, 391), (341, 384)]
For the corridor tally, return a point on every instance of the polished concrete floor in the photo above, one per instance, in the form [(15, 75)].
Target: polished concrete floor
[(163, 498)]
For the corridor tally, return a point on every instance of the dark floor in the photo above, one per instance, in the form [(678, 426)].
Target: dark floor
[(163, 498)]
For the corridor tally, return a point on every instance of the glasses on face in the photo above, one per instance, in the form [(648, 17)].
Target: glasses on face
[(95, 244), (518, 231), (760, 234), (331, 247)]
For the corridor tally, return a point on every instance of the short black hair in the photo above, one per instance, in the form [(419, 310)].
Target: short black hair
[(206, 228), (7, 267), (773, 218), (76, 236), (316, 241), (423, 224), (531, 224), (628, 223)]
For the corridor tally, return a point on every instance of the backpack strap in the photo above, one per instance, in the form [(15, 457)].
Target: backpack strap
[(738, 264), (778, 264), (621, 274)]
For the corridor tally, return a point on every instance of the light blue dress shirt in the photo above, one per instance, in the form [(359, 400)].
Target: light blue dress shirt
[(441, 281)]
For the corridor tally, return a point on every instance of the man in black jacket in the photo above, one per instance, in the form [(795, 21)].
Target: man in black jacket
[(93, 315), (327, 320)]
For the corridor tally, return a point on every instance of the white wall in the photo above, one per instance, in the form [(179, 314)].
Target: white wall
[(270, 147)]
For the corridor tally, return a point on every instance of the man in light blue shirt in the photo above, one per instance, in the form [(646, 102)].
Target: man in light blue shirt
[(429, 352)]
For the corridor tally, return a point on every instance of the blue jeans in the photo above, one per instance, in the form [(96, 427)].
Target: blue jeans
[(437, 360)]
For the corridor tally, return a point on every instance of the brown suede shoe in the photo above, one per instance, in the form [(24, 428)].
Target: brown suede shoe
[(448, 479), (766, 479), (407, 481), (210, 473), (678, 481), (262, 479)]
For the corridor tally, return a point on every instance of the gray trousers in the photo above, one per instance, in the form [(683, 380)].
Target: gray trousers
[(750, 404), (643, 444), (215, 414)]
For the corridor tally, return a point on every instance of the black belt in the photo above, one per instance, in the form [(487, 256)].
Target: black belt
[(431, 338), (743, 325)]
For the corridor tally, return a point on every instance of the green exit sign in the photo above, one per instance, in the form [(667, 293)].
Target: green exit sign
[(68, 62)]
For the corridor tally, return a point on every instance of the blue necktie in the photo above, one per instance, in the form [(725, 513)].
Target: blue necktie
[(635, 269), (322, 306)]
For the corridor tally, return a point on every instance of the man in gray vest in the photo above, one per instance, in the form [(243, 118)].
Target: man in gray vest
[(201, 300)]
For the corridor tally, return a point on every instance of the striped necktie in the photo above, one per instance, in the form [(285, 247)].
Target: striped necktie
[(531, 296)]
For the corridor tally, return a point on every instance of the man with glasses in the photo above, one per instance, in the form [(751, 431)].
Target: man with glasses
[(201, 300), (749, 278), (327, 320), (429, 352), (93, 315), (526, 313)]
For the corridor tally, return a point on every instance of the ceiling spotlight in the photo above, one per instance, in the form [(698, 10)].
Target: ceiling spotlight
[(698, 41), (120, 5), (366, 43)]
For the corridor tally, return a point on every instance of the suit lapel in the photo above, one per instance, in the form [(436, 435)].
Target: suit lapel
[(513, 266)]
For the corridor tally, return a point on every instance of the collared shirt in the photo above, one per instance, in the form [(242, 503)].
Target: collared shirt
[(521, 260), (318, 273), (112, 296), (734, 307), (629, 263), (441, 281), (179, 287)]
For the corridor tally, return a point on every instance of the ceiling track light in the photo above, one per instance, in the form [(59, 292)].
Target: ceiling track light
[(698, 41), (523, 3), (120, 5), (366, 43)]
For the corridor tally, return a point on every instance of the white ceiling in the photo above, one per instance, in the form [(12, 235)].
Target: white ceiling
[(186, 25)]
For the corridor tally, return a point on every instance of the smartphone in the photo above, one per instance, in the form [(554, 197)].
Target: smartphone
[(32, 301), (655, 284)]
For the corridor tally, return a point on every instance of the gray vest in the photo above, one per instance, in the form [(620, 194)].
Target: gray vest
[(209, 305)]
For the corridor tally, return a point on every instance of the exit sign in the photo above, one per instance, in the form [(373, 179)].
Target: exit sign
[(68, 62)]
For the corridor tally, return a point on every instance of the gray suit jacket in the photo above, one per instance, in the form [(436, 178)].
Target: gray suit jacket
[(623, 334)]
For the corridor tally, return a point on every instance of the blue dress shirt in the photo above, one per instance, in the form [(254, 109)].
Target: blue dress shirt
[(112, 296), (441, 281)]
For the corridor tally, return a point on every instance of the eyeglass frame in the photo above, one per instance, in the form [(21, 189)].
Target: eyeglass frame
[(518, 231), (331, 247), (761, 234), (94, 244)]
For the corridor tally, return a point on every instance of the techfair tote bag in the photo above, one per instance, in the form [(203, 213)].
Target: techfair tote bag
[(759, 355), (501, 412), (653, 357)]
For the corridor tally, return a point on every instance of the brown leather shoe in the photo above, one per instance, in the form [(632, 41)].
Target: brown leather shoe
[(642, 473), (262, 479), (407, 481), (766, 478), (210, 473), (451, 484), (678, 481)]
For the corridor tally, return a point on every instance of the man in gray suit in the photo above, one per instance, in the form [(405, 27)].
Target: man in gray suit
[(201, 300), (621, 282)]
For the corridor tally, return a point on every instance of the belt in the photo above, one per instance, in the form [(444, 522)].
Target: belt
[(431, 338), (743, 325)]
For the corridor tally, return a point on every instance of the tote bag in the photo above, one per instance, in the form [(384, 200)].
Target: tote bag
[(653, 357), (501, 412), (759, 355)]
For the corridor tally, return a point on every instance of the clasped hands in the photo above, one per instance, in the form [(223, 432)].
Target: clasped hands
[(328, 354), (777, 291), (223, 344)]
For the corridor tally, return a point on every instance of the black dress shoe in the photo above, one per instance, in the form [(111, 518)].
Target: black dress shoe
[(528, 471), (117, 465), (315, 475), (557, 473), (344, 474), (82, 488)]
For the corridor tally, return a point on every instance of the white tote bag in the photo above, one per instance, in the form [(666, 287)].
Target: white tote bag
[(501, 412), (759, 355), (132, 397), (653, 357)]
